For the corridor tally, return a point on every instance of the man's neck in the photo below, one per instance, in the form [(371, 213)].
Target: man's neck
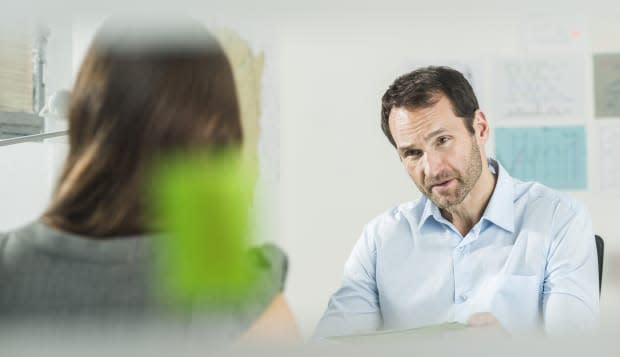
[(466, 214)]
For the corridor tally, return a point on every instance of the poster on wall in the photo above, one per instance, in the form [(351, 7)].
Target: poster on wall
[(553, 156), (607, 85), (539, 88)]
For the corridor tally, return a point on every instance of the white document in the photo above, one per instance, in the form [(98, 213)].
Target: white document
[(553, 34), (539, 88), (610, 164)]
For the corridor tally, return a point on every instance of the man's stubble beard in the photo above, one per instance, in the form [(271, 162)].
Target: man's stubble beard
[(465, 183)]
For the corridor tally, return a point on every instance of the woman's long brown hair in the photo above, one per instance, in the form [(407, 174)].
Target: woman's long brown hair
[(139, 94)]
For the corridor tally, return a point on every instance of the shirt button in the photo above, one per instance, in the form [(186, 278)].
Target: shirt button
[(461, 298)]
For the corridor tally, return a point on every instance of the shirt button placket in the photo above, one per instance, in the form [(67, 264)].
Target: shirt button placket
[(459, 280)]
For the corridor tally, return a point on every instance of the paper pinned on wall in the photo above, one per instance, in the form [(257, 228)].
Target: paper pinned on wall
[(552, 34), (539, 88), (553, 156), (607, 85), (610, 152)]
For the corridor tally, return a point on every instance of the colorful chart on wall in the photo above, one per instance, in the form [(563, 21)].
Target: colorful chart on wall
[(554, 156)]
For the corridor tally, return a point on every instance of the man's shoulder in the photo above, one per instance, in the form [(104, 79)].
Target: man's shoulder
[(396, 220), (404, 212), (534, 193)]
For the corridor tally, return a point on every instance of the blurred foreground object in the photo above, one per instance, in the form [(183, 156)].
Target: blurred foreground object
[(202, 204), (145, 91)]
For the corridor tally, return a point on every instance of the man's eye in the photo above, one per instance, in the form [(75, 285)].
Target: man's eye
[(442, 139), (412, 153)]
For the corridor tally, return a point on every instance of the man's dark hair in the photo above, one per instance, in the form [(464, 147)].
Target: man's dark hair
[(423, 88)]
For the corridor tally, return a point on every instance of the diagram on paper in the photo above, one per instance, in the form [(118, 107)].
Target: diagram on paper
[(554, 156)]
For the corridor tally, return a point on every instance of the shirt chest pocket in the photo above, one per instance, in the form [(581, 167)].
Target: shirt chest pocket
[(517, 303)]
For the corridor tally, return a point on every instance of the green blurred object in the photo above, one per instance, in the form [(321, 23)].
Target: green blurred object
[(201, 205)]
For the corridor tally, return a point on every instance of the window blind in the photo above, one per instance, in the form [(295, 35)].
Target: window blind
[(16, 71)]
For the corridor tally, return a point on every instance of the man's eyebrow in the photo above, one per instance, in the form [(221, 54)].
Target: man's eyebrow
[(406, 147), (434, 133), (426, 138)]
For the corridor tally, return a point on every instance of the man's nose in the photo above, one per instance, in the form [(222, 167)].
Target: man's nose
[(433, 164)]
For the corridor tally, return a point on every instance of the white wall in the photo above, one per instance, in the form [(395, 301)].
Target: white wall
[(337, 170), (29, 170), (28, 173)]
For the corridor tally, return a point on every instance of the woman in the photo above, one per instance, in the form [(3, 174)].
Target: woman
[(141, 92)]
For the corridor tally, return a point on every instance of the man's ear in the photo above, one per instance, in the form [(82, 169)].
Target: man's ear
[(481, 127)]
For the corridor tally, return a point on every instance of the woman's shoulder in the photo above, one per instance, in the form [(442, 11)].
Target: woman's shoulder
[(38, 240), (11, 237)]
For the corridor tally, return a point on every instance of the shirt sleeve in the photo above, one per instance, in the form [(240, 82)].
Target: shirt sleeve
[(354, 308), (570, 288)]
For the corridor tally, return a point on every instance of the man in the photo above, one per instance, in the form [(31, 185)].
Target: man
[(479, 246)]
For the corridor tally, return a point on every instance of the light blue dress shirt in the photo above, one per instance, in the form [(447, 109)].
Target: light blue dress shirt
[(530, 261)]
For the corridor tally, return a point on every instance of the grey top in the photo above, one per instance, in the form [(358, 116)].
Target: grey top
[(51, 275)]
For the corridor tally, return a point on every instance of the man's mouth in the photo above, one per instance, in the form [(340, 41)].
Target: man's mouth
[(441, 185)]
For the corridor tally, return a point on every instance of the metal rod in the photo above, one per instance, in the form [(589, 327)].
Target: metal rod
[(28, 138), (39, 59)]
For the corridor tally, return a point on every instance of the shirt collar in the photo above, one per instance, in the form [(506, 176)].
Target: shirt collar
[(500, 209), (430, 210)]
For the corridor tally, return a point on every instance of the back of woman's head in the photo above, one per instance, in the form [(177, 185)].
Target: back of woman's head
[(142, 90)]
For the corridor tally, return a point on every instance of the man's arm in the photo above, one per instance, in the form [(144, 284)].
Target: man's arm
[(355, 306), (570, 288)]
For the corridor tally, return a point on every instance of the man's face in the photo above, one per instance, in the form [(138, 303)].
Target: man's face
[(441, 156)]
